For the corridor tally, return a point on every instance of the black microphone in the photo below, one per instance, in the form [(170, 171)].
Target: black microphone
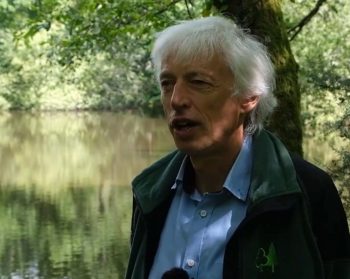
[(175, 273)]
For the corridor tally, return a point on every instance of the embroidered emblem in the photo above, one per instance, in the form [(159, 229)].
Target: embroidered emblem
[(266, 261)]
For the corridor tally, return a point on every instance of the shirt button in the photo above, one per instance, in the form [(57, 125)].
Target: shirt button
[(190, 263), (203, 213)]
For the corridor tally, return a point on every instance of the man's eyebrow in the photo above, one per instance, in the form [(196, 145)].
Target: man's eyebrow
[(165, 75), (189, 75), (194, 74)]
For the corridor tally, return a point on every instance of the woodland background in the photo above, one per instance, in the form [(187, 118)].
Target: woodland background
[(94, 55)]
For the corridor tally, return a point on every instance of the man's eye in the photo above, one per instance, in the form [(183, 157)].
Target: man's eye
[(166, 84), (199, 82)]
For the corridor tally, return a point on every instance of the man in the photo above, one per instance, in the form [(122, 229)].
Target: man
[(231, 202)]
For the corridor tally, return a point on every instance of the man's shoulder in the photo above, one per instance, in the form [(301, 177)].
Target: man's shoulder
[(160, 165), (162, 172), (153, 184), (318, 187), (328, 217), (309, 173)]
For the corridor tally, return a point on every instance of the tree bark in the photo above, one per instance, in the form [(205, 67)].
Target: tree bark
[(264, 19)]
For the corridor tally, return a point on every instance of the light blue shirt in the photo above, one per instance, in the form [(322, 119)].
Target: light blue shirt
[(199, 226)]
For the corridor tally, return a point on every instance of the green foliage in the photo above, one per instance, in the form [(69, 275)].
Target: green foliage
[(322, 50), (94, 49), (94, 26), (15, 85)]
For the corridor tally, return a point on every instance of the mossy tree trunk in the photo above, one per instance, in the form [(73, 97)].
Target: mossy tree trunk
[(264, 19)]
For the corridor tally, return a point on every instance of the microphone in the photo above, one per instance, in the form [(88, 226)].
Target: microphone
[(175, 273)]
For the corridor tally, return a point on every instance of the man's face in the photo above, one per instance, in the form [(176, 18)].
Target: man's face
[(203, 116)]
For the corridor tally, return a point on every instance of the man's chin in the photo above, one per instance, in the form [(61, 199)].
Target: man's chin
[(191, 150), (186, 149)]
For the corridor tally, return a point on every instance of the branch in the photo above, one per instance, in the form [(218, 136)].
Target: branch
[(167, 7), (188, 9), (294, 31)]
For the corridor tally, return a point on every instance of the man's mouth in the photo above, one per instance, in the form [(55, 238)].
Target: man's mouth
[(183, 124)]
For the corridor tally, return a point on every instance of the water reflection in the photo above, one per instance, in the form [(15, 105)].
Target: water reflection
[(65, 149), (64, 210), (64, 190)]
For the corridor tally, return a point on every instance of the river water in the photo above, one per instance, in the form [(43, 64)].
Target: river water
[(64, 191), (65, 200)]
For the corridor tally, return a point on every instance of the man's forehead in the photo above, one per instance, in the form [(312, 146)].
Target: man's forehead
[(189, 61), (185, 69), (191, 67)]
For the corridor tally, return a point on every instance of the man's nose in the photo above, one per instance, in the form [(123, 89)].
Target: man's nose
[(180, 97)]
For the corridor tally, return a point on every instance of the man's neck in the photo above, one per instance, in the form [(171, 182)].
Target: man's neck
[(211, 171)]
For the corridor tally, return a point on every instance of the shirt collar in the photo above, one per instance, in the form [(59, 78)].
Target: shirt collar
[(186, 176), (237, 181)]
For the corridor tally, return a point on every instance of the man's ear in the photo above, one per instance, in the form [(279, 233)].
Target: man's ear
[(249, 103)]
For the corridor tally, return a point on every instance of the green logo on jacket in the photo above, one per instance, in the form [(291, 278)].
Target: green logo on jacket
[(266, 260)]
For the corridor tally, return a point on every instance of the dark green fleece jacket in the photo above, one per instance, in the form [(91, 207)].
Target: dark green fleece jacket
[(275, 240)]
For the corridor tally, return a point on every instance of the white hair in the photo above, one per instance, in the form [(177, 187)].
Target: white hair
[(247, 58)]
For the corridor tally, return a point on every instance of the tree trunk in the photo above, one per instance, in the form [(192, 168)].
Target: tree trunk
[(264, 19)]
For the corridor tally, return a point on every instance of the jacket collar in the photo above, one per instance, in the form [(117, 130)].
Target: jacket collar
[(273, 174), (153, 185)]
